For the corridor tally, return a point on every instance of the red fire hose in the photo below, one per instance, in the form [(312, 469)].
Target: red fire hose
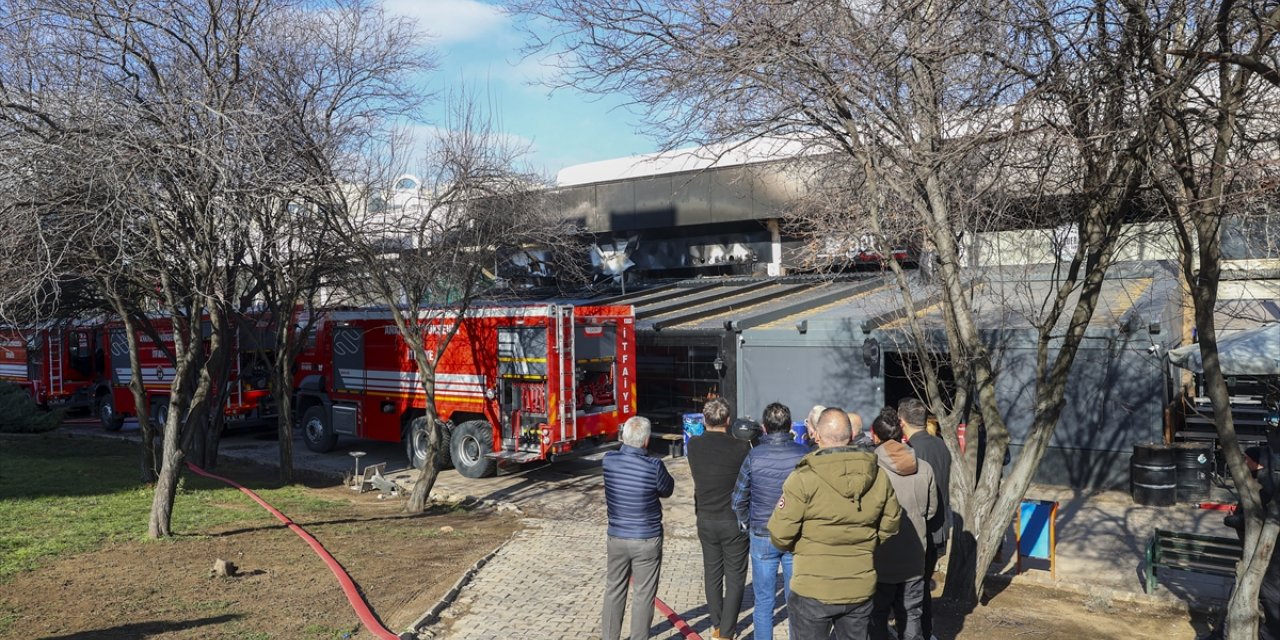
[(349, 588), (366, 615), (1216, 506), (676, 621)]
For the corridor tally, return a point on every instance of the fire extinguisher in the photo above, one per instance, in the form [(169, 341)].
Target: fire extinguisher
[(960, 430)]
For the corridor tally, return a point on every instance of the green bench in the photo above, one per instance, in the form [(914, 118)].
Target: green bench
[(1214, 555)]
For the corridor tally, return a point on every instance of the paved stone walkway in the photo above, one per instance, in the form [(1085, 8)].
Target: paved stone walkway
[(548, 582), (557, 564)]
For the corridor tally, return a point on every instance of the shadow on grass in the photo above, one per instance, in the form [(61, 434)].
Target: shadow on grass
[(306, 523), (145, 629)]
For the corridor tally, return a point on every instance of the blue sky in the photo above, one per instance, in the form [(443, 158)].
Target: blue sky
[(480, 47)]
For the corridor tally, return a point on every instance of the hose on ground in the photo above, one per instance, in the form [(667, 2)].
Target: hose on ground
[(349, 588), (676, 621)]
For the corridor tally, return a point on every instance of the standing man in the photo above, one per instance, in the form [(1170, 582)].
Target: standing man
[(931, 449), (811, 423), (759, 487), (861, 436), (714, 460), (835, 509), (900, 560), (633, 485)]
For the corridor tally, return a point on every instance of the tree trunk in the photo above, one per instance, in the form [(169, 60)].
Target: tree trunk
[(1242, 608), (216, 383), (430, 467), (284, 433), (1259, 545), (149, 457), (171, 460), (282, 390), (187, 353), (148, 462), (159, 525)]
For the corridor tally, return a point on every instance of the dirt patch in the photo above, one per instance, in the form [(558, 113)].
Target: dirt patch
[(403, 564), (1038, 613)]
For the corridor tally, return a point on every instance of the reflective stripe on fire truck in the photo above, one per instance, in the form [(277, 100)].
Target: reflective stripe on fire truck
[(150, 375), (409, 382), (13, 371), (536, 311)]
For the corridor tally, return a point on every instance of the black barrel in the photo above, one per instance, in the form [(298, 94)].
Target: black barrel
[(1193, 460), (1153, 475)]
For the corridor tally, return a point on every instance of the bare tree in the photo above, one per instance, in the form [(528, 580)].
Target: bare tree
[(72, 238), (189, 102), (929, 120), (430, 253), (1210, 77), (341, 76)]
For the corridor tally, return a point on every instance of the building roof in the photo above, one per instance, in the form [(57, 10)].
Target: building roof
[(679, 160), (717, 304), (1006, 298)]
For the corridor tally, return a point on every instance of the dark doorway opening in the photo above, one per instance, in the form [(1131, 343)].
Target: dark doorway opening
[(904, 378), (674, 380)]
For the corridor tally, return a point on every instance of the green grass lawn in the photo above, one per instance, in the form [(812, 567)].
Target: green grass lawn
[(63, 495)]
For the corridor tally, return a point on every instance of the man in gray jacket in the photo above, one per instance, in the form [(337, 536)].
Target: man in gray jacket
[(900, 560)]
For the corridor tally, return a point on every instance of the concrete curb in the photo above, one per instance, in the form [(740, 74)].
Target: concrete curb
[(433, 614)]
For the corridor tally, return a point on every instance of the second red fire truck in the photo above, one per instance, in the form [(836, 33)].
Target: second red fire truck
[(516, 383), (60, 364), (248, 392)]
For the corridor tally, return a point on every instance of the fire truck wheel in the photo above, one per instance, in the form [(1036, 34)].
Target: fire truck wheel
[(317, 433), (160, 415), (415, 445), (470, 442), (111, 421)]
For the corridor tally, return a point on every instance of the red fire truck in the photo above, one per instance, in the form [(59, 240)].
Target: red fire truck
[(60, 364), (249, 396), (516, 384)]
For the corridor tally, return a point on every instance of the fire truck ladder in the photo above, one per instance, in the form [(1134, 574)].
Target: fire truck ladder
[(55, 363), (565, 357)]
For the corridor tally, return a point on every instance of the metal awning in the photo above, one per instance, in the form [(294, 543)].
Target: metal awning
[(1252, 352)]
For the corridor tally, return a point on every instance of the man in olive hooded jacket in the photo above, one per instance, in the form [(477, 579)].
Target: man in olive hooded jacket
[(836, 508)]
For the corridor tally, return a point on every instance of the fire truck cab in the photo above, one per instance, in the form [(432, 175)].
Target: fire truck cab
[(515, 384), (62, 364)]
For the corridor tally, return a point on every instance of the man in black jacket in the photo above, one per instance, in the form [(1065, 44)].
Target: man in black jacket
[(714, 460), (633, 485), (931, 449)]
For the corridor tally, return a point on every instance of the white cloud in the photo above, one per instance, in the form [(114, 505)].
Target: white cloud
[(450, 21), (538, 69)]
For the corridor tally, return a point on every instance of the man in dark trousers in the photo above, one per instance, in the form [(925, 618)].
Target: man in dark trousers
[(633, 485), (714, 460), (930, 449), (759, 487)]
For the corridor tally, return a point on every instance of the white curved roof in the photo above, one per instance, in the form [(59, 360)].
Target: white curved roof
[(652, 164)]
